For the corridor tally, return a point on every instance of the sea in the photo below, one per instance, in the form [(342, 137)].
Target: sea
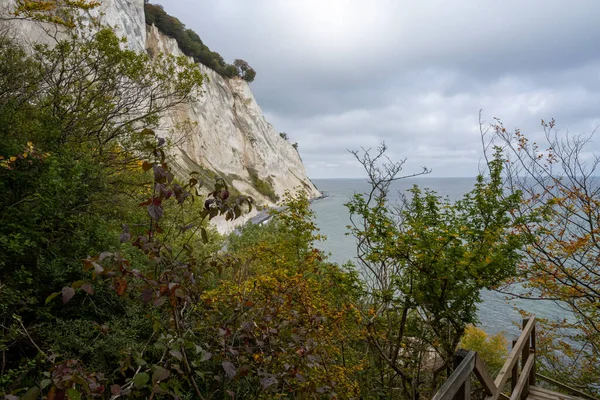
[(496, 313)]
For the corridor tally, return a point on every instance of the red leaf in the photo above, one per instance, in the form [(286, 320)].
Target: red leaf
[(160, 174), (146, 166), (67, 294), (121, 285), (115, 389), (147, 295)]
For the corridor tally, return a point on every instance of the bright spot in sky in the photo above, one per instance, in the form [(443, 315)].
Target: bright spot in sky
[(336, 25)]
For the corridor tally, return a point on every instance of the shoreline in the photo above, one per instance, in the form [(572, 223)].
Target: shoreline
[(264, 216), (261, 218)]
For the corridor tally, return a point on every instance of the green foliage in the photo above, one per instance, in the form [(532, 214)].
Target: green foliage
[(244, 70), (426, 262), (264, 187), (190, 43), (70, 174), (61, 13)]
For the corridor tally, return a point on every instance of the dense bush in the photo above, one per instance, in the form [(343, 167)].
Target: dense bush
[(492, 349), (190, 43)]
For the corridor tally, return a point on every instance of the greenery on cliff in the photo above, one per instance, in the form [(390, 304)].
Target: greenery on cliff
[(190, 43), (112, 283)]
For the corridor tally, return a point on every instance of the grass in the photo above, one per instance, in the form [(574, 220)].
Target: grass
[(264, 187)]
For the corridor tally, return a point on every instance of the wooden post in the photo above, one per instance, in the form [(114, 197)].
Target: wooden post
[(524, 358), (464, 393), (457, 385), (514, 373), (532, 375)]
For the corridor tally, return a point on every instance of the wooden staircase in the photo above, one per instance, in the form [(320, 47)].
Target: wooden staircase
[(522, 383)]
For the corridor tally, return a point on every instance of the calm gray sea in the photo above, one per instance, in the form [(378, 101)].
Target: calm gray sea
[(332, 218)]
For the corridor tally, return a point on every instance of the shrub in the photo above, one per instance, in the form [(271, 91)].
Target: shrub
[(492, 349), (264, 187)]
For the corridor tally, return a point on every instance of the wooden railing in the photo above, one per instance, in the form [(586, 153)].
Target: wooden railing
[(523, 348), (466, 363), (458, 385)]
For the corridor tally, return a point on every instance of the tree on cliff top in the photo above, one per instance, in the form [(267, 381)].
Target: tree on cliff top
[(245, 71), (190, 43)]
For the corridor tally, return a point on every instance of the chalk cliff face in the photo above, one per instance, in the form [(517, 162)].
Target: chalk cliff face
[(232, 135), (224, 133), (125, 16)]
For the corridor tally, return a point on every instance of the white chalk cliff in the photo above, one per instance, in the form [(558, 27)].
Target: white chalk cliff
[(228, 134)]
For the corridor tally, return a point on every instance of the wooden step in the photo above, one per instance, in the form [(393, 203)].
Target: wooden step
[(538, 393)]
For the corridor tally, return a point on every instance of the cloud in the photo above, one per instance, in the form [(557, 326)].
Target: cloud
[(345, 74)]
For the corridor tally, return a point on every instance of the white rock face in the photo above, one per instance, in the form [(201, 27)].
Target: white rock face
[(232, 135), (226, 131), (126, 17)]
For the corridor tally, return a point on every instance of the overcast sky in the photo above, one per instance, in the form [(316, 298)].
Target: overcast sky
[(341, 74)]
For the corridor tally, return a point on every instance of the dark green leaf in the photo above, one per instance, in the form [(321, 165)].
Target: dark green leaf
[(140, 380), (73, 394), (51, 297), (32, 394)]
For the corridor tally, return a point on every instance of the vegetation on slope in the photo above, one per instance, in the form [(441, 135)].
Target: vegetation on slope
[(190, 43), (264, 187)]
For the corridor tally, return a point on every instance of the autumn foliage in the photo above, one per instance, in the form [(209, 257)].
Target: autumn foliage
[(559, 216)]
